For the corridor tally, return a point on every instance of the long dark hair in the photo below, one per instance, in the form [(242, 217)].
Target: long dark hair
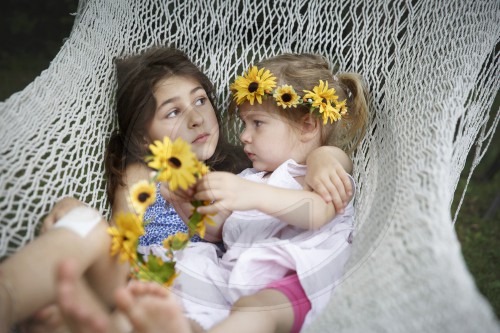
[(135, 105)]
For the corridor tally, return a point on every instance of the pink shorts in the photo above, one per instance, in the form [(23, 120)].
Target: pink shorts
[(290, 286)]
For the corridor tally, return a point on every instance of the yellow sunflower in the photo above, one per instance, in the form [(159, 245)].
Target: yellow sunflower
[(322, 98), (160, 152), (125, 236), (201, 226), (253, 85), (203, 169), (176, 242), (341, 107), (286, 96), (142, 195), (155, 269), (330, 113), (175, 162)]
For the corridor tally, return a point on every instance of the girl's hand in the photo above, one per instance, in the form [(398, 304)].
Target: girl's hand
[(226, 191), (327, 176), (61, 208), (179, 195)]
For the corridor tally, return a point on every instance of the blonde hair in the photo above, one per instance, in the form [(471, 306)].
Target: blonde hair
[(303, 72)]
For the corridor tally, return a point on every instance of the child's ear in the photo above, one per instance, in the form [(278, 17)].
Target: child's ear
[(310, 127)]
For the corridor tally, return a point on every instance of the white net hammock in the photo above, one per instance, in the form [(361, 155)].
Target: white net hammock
[(433, 72)]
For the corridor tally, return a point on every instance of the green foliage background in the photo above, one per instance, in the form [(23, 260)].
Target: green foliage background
[(32, 32)]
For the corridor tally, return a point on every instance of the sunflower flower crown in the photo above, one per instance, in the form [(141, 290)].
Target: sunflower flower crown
[(256, 84), (176, 164)]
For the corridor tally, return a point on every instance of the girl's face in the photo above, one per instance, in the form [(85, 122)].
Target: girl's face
[(184, 110), (269, 140)]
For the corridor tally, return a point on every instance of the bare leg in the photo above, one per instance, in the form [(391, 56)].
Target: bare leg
[(151, 308), (268, 310), (27, 278)]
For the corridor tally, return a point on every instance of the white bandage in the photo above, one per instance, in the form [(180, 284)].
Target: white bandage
[(80, 220)]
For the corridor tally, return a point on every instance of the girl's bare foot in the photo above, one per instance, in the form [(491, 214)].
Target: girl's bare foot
[(47, 320), (151, 308), (81, 310)]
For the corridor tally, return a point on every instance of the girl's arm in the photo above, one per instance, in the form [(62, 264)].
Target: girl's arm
[(300, 208), (328, 170)]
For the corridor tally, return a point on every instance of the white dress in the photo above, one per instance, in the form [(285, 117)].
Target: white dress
[(262, 249)]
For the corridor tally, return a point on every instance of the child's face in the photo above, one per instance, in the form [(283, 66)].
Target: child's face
[(184, 110), (268, 139)]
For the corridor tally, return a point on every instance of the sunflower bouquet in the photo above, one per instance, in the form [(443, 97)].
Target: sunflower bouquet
[(176, 164)]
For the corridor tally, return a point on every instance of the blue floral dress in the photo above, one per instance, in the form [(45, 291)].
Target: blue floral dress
[(164, 221)]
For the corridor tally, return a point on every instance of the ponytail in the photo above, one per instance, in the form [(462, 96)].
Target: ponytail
[(351, 129)]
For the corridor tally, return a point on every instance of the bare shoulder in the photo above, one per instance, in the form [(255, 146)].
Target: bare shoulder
[(136, 172), (133, 173)]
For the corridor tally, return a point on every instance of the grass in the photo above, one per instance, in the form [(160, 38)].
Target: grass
[(479, 235)]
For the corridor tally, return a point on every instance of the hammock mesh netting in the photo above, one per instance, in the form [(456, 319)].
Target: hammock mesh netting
[(432, 68)]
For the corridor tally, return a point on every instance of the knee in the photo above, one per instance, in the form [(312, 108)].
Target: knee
[(255, 310), (268, 308), (265, 298)]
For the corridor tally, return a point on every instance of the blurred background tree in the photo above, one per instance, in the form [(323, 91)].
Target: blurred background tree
[(31, 34), (33, 31)]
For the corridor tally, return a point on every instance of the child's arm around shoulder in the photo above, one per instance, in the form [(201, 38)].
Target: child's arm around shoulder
[(300, 208), (328, 170)]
